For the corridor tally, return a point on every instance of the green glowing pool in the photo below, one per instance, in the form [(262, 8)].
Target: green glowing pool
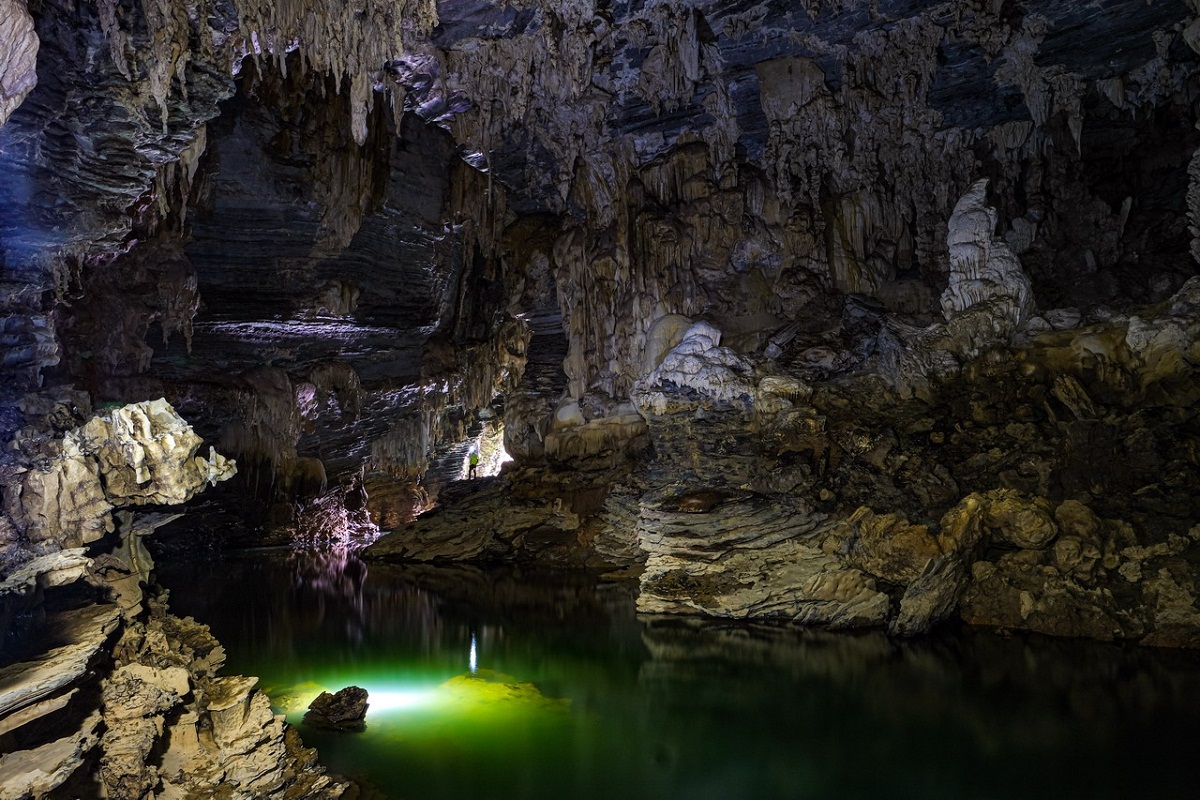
[(497, 685)]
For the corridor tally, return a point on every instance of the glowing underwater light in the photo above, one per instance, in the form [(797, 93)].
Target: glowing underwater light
[(397, 699)]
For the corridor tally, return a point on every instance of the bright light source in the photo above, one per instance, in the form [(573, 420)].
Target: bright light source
[(473, 658), (396, 700)]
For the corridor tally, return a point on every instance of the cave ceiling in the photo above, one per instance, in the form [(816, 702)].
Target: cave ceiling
[(336, 233)]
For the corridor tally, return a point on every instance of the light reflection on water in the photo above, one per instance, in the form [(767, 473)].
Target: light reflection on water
[(510, 685)]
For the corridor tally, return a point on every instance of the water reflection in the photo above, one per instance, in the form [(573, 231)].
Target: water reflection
[(585, 699)]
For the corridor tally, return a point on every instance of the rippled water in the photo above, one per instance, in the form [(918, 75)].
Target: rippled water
[(566, 693)]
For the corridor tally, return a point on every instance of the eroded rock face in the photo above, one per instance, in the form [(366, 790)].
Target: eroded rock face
[(345, 709), (349, 262), (142, 453), (99, 684), (18, 65), (1025, 492), (989, 296)]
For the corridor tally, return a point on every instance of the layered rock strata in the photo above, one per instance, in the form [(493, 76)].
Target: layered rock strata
[(102, 690), (729, 225), (1021, 487)]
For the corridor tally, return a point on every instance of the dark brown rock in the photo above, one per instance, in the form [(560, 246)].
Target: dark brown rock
[(344, 710)]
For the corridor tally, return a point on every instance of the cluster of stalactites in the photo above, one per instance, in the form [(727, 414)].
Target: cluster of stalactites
[(352, 42)]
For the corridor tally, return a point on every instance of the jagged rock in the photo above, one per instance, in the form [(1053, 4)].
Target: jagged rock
[(18, 67), (344, 710), (229, 707), (37, 772), (153, 675), (1016, 592), (531, 515), (617, 541), (138, 454), (1017, 521), (54, 569), (931, 597), (606, 442), (889, 546), (745, 556), (86, 631), (136, 697)]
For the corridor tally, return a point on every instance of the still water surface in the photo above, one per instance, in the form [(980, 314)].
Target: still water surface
[(501, 685)]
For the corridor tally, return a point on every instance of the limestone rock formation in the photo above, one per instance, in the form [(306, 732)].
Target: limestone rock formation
[(786, 499), (983, 268), (989, 296), (699, 364), (137, 454), (528, 516), (743, 557), (101, 688), (345, 709), (685, 259), (18, 68)]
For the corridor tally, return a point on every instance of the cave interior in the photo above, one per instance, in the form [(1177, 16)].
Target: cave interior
[(849, 314)]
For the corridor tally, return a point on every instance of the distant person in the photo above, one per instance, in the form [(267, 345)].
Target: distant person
[(474, 460)]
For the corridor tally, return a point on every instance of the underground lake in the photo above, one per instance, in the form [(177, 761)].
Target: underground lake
[(503, 684)]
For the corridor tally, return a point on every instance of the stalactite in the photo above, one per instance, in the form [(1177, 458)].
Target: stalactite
[(537, 82), (354, 45), (113, 34)]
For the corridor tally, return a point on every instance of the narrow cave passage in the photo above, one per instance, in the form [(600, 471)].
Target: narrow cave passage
[(665, 399)]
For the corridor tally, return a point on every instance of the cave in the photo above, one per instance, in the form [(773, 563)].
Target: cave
[(666, 398)]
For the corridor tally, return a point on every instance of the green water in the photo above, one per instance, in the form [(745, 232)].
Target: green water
[(574, 696)]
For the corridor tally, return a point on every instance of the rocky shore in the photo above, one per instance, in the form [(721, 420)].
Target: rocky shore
[(104, 692)]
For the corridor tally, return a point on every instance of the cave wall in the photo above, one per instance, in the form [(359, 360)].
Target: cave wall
[(941, 255), (743, 162), (333, 242), (747, 164)]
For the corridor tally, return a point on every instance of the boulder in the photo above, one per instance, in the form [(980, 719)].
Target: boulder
[(344, 710), (889, 547)]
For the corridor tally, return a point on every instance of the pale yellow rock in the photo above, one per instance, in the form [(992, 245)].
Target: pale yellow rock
[(84, 631), (889, 547), (139, 454), (1015, 520), (229, 704), (1076, 519), (35, 773)]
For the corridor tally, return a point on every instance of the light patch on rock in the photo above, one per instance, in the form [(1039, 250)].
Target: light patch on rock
[(698, 363), (142, 453), (984, 270), (18, 56)]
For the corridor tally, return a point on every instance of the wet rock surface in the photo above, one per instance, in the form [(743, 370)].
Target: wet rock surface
[(102, 690), (836, 505), (345, 709)]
